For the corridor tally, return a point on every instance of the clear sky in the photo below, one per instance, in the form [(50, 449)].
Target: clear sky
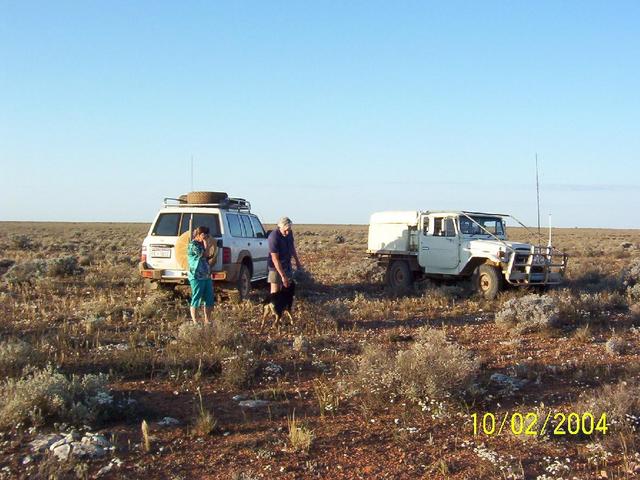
[(323, 111)]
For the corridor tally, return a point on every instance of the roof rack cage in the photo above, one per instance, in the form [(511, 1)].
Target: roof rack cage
[(229, 203)]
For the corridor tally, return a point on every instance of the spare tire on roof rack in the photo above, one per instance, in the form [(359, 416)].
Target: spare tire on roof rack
[(206, 197)]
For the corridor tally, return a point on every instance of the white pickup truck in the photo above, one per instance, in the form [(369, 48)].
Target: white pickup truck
[(458, 245)]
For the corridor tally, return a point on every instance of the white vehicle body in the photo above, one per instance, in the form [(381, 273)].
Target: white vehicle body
[(242, 243), (455, 244)]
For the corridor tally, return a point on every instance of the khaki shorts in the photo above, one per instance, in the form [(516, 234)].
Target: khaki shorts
[(274, 277)]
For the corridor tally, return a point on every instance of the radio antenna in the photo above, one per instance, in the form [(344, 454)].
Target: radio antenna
[(192, 179), (538, 196)]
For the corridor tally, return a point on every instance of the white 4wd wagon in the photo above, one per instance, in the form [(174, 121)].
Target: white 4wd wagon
[(241, 239)]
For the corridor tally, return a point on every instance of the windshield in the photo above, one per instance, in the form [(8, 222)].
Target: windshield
[(492, 224)]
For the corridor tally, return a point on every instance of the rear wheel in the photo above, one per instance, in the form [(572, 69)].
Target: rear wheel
[(244, 282), (488, 281), (399, 276)]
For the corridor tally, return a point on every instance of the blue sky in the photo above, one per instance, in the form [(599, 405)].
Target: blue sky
[(323, 111)]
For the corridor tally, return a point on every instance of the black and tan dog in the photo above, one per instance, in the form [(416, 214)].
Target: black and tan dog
[(279, 304)]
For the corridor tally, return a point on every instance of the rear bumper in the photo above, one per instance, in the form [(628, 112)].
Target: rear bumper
[(179, 276)]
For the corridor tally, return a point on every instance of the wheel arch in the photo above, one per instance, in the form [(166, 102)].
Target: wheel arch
[(474, 262), (244, 258)]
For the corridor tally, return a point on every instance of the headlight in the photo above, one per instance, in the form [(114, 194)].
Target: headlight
[(539, 259)]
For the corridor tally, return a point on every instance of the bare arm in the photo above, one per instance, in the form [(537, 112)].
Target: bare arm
[(294, 254)]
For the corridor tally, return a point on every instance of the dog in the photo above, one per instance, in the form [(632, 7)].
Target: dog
[(279, 304)]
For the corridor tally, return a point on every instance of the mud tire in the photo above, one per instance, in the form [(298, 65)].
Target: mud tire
[(206, 197), (487, 281), (399, 276), (243, 285)]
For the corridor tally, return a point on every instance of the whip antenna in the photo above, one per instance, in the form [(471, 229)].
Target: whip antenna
[(538, 196), (192, 180)]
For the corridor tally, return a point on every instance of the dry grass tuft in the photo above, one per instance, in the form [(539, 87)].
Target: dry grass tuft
[(582, 334), (620, 402), (327, 396), (616, 345), (205, 422), (154, 303), (239, 370), (300, 437), (146, 438)]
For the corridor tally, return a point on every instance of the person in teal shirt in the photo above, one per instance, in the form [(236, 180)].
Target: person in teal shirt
[(199, 274)]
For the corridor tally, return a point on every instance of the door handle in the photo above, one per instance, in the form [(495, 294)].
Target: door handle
[(248, 244)]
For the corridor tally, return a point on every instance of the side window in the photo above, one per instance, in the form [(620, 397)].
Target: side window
[(166, 225), (211, 220), (449, 227), (234, 225), (257, 227), (438, 229), (248, 229), (465, 225), (425, 225)]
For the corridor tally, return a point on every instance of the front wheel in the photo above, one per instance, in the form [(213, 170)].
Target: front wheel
[(488, 281), (244, 282), (399, 276)]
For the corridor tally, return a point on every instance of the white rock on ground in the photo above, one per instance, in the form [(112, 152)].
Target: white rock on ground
[(168, 422), (507, 381), (62, 452), (43, 441), (92, 445), (253, 403), (115, 463), (62, 441), (96, 439), (87, 450), (273, 369)]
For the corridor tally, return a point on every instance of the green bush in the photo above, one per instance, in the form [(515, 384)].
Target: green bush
[(15, 355), (431, 368), (46, 394)]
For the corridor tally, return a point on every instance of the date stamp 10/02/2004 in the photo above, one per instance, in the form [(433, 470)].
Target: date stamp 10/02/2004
[(534, 424)]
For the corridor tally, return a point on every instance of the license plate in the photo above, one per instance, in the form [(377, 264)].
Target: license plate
[(161, 252), (174, 273)]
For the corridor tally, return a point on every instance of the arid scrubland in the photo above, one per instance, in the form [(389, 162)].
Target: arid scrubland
[(364, 385)]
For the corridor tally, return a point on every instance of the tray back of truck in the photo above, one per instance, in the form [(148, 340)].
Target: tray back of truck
[(390, 232)]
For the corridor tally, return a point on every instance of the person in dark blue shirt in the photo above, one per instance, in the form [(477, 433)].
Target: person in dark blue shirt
[(281, 250)]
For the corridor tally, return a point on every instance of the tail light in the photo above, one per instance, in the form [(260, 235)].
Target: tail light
[(226, 255)]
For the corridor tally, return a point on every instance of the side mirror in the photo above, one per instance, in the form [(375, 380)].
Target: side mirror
[(269, 232), (219, 243)]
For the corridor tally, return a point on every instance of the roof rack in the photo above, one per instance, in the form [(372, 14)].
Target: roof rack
[(229, 203)]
